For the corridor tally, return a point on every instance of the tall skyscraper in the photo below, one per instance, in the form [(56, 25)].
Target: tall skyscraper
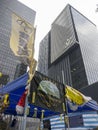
[(9, 63), (43, 58), (72, 49)]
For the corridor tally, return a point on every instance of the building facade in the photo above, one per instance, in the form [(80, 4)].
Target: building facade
[(43, 60), (73, 48), (8, 61)]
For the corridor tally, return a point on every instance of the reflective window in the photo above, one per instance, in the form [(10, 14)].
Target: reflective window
[(62, 34), (88, 39), (78, 74)]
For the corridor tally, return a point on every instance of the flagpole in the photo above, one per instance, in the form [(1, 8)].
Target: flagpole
[(25, 109), (31, 72), (28, 57), (25, 115), (66, 110)]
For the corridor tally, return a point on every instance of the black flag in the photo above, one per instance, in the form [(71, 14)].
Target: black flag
[(46, 93)]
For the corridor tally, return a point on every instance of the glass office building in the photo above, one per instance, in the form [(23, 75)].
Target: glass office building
[(8, 61), (73, 49), (44, 55)]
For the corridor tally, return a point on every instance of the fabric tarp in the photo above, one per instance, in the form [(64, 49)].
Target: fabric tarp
[(89, 106), (18, 83), (17, 87), (15, 90), (76, 101)]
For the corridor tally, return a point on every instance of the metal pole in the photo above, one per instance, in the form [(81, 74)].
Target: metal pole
[(25, 113), (66, 110)]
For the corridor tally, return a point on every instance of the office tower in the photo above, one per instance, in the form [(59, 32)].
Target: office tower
[(44, 55), (8, 61), (73, 49)]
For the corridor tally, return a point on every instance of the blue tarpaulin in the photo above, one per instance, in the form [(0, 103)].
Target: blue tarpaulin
[(12, 86), (16, 89), (89, 106)]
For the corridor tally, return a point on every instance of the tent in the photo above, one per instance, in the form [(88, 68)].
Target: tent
[(17, 87)]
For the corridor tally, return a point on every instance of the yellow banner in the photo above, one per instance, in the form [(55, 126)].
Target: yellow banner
[(22, 39), (74, 96), (32, 69)]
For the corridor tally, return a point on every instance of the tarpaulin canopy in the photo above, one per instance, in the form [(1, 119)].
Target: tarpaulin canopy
[(89, 106), (12, 86), (76, 101), (16, 89)]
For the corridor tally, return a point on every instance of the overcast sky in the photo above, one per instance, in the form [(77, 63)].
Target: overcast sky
[(48, 10)]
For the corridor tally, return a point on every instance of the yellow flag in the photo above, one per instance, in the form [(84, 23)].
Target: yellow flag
[(22, 39), (32, 68), (74, 96)]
